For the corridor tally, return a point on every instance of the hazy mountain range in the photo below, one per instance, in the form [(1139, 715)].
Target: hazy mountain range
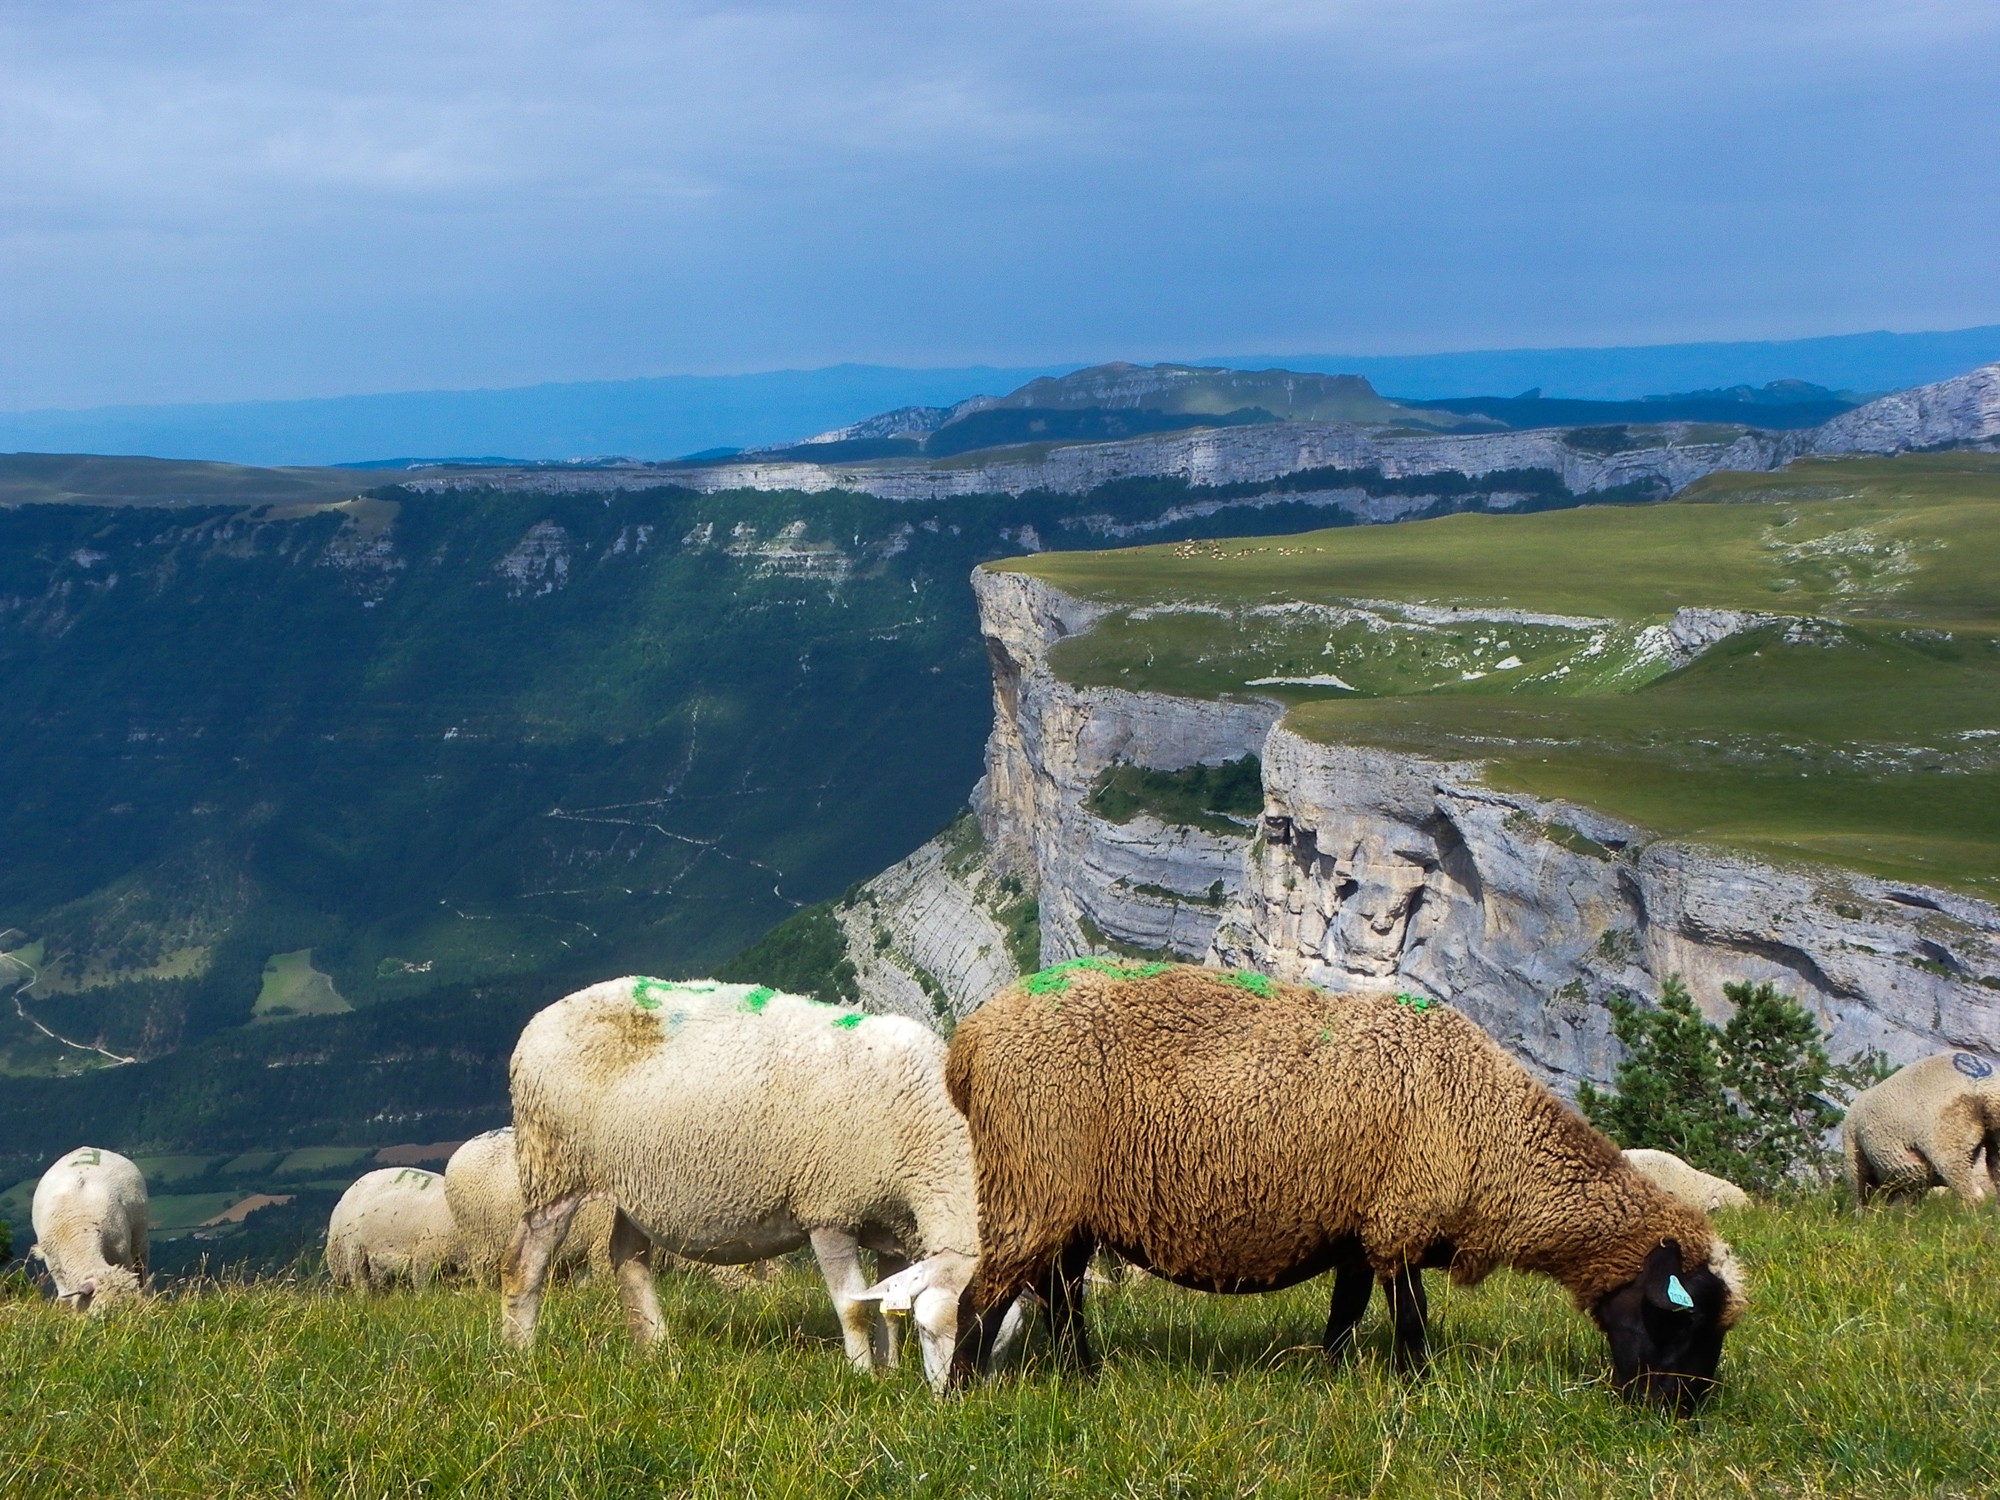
[(678, 415)]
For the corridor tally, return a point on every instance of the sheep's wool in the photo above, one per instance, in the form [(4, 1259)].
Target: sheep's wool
[(91, 1217), (394, 1224)]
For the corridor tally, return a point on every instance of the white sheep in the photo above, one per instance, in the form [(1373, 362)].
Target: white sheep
[(729, 1123), (394, 1224), (1698, 1189), (483, 1187), (91, 1218), (1927, 1124), (482, 1184)]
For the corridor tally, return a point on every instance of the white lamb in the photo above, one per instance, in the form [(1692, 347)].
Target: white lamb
[(90, 1217), (1933, 1123), (1698, 1189), (392, 1225), (729, 1123)]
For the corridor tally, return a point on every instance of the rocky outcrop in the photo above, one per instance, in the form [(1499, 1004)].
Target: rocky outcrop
[(928, 937), (1963, 410), (1380, 869), (1664, 459), (1142, 883)]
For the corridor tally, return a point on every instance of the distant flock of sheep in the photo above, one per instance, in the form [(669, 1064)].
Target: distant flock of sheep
[(1224, 1131)]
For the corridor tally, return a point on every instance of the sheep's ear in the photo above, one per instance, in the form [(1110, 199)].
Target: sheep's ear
[(1662, 1279), (899, 1293)]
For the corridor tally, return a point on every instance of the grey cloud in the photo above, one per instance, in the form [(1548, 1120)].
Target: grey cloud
[(237, 200)]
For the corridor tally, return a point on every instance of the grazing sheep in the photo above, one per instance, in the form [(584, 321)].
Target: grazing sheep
[(1233, 1134), (1702, 1190), (90, 1217), (1926, 1125), (392, 1225), (730, 1123), (483, 1188)]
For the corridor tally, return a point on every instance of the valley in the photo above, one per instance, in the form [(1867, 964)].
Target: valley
[(356, 784)]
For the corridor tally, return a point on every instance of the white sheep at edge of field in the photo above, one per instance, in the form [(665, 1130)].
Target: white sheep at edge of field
[(91, 1219)]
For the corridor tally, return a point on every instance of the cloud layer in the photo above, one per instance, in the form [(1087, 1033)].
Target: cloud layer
[(215, 200)]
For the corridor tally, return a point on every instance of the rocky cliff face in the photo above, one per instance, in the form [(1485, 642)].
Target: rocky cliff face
[(1959, 411), (1370, 868)]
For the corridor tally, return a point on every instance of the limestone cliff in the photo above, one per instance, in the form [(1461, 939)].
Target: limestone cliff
[(1662, 459), (1372, 868)]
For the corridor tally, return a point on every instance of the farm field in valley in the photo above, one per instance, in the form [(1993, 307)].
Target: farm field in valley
[(1853, 715), (1864, 1367)]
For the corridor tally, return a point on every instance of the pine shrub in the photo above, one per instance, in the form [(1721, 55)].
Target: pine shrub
[(1753, 1100)]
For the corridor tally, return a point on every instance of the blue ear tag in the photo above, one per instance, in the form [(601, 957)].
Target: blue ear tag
[(1678, 1294)]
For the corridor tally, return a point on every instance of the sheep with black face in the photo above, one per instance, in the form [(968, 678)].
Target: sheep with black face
[(1234, 1134)]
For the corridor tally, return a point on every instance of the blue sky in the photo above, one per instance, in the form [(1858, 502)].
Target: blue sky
[(223, 201)]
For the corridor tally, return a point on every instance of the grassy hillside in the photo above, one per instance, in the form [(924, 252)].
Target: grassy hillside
[(95, 479), (1861, 725), (1863, 1368), (439, 740)]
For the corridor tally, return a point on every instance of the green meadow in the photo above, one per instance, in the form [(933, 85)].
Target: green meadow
[(293, 987), (1865, 1367), (1860, 725)]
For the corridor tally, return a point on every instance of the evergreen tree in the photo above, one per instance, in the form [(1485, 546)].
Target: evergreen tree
[(1670, 1090), (1751, 1101), (1777, 1068)]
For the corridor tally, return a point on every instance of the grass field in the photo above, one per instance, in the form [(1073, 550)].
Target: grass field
[(1865, 1367), (1861, 727), (293, 987)]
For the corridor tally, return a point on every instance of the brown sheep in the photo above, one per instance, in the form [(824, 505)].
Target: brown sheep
[(1234, 1134)]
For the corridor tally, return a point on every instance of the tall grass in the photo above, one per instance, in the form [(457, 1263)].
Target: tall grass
[(1866, 1367)]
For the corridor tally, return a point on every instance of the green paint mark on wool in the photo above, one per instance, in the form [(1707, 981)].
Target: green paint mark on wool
[(646, 991), (757, 999), (1055, 978), (849, 1021), (1415, 1002), (1256, 984)]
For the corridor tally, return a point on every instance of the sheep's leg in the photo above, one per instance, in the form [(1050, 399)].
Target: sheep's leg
[(1064, 1293), (1008, 1265), (1352, 1286), (888, 1332), (979, 1336), (1405, 1291), (839, 1256), (1860, 1174), (1953, 1152), (525, 1267), (632, 1266)]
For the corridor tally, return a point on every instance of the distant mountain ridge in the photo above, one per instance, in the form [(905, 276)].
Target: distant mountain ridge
[(1116, 400), (1245, 453), (660, 418)]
